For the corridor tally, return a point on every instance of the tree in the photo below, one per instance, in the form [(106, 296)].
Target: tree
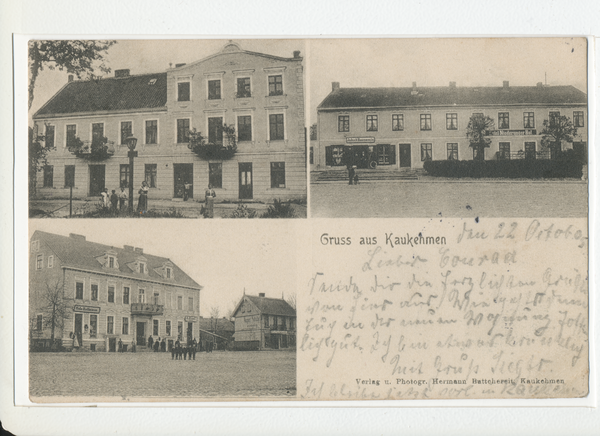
[(214, 318), (291, 300), (556, 130), (221, 150), (76, 57), (38, 154), (478, 130), (54, 308)]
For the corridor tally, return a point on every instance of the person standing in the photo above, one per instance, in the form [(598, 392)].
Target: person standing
[(133, 346), (351, 174), (150, 342), (114, 201), (163, 345), (122, 199), (104, 196), (143, 199), (209, 197), (120, 345), (194, 345)]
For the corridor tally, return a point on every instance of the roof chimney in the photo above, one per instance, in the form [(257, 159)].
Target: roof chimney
[(139, 250), (414, 89), (76, 236), (122, 73), (70, 78), (335, 86), (179, 65), (452, 84), (262, 294), (128, 247), (505, 85), (296, 54)]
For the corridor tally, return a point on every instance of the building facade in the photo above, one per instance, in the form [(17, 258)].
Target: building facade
[(260, 95), (401, 128), (100, 294), (264, 323)]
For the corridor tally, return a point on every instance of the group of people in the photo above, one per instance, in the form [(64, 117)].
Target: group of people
[(116, 202), (180, 350), (121, 348), (157, 345)]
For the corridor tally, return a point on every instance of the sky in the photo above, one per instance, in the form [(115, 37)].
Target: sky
[(225, 257), (373, 62)]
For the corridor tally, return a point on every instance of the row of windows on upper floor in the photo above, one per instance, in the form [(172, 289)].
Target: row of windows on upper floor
[(425, 122), (244, 130), (214, 88), (215, 179)]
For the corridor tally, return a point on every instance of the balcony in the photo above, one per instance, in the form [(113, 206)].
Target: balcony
[(146, 309)]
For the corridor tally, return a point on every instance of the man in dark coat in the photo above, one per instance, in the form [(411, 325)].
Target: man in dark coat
[(156, 345), (185, 350), (177, 349), (163, 345), (150, 342), (173, 352)]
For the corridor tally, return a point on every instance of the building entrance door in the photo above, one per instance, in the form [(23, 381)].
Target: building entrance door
[(140, 333), (405, 155), (183, 176), (112, 345), (96, 179), (78, 328), (190, 327), (245, 180)]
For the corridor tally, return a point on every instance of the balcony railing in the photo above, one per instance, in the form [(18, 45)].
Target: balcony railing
[(146, 309)]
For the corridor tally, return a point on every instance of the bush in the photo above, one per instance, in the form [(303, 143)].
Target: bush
[(279, 209), (103, 212), (562, 167), (242, 211)]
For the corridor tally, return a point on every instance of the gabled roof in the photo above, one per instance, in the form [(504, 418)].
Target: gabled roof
[(223, 324), (81, 254), (452, 96), (146, 91), (268, 306)]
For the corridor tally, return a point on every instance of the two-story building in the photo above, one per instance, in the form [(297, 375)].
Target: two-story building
[(99, 294), (260, 95), (264, 323), (401, 128)]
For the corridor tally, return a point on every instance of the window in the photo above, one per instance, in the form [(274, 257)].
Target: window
[(397, 122), (214, 89), (183, 130), (344, 123), (311, 155), (191, 304), (372, 123), (48, 176), (426, 152), (179, 330), (183, 91), (452, 151), (530, 150), (69, 176), (151, 131), (97, 131), (504, 150), (169, 273), (155, 327), (79, 291), (141, 296), (126, 131), (528, 120), (386, 154), (425, 121), (215, 130), (276, 127), (39, 261), (553, 115), (50, 261), (266, 318), (94, 292), (334, 155), (503, 120), (150, 175), (126, 295), (111, 261), (124, 175), (71, 134), (451, 121), (277, 174), (156, 297), (215, 174), (179, 302), (243, 87), (93, 326), (125, 329), (168, 300), (142, 268), (39, 322), (111, 294), (276, 85), (578, 118), (49, 139), (168, 327), (245, 128), (110, 325)]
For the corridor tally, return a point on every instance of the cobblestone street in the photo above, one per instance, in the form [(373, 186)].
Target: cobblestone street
[(131, 376), (423, 199)]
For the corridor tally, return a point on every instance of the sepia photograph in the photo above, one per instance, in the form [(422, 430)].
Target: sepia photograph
[(448, 127), (116, 314), (167, 129)]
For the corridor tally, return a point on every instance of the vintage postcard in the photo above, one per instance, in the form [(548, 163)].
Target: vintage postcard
[(443, 254)]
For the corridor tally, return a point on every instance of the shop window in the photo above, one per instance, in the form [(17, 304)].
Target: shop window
[(386, 154), (245, 128), (79, 291), (452, 151), (503, 120), (334, 155), (372, 123), (578, 119), (151, 131), (425, 122), (343, 123), (397, 122), (150, 175), (243, 87), (276, 85), (215, 174), (451, 121), (276, 132), (183, 130), (48, 176), (277, 174), (426, 152), (126, 131), (528, 120), (183, 91), (214, 89)]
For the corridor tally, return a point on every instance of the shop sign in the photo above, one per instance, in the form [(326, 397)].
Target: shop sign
[(360, 140), (522, 132), (191, 319), (86, 309)]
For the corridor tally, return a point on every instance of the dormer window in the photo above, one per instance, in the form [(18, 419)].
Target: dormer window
[(169, 273), (111, 261), (142, 268)]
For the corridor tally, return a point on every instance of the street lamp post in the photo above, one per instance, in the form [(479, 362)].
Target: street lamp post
[(131, 143)]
